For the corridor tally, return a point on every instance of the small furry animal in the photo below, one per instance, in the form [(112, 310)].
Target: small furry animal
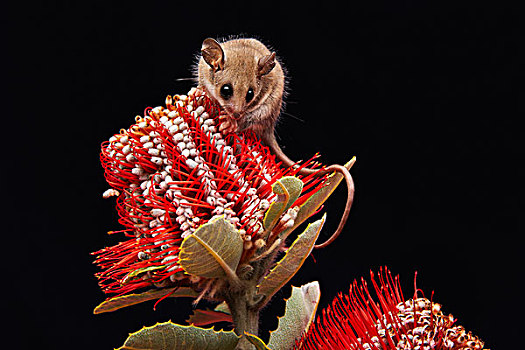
[(248, 81)]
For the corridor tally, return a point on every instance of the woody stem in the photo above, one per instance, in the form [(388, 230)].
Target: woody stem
[(245, 303), (245, 315)]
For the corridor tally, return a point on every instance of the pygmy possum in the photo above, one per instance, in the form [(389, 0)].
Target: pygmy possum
[(248, 82)]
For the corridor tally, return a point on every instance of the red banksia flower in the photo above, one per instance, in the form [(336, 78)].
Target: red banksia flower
[(357, 321), (173, 172)]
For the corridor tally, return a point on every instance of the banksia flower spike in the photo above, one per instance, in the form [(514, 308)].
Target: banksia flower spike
[(173, 172), (357, 321)]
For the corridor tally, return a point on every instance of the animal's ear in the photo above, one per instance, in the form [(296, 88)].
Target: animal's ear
[(213, 54), (265, 64)]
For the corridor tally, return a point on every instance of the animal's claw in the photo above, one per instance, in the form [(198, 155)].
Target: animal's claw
[(228, 125)]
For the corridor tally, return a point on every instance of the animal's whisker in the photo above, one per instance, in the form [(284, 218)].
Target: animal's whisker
[(293, 116), (186, 79)]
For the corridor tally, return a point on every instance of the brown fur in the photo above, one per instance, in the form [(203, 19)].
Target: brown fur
[(240, 69)]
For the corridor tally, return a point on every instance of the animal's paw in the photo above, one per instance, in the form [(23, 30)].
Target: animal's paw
[(227, 125)]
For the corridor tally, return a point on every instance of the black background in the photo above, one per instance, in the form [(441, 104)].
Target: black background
[(425, 95)]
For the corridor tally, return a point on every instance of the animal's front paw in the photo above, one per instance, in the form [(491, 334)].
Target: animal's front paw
[(227, 125)]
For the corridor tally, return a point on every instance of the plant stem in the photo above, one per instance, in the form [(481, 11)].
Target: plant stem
[(245, 303), (245, 315)]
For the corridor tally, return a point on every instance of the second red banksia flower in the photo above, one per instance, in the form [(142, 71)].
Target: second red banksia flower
[(357, 321)]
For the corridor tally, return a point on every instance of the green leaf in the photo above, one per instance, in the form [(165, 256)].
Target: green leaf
[(288, 190), (299, 313), (213, 250), (170, 336), (132, 299), (223, 307), (317, 199), (255, 340), (142, 270), (286, 268), (203, 317)]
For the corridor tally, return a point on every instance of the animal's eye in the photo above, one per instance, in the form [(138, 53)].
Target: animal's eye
[(249, 95), (226, 91)]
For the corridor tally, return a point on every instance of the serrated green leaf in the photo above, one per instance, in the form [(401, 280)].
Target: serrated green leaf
[(170, 336), (299, 313), (116, 303), (286, 268), (213, 250), (223, 307), (288, 189), (256, 341), (203, 317), (317, 199)]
